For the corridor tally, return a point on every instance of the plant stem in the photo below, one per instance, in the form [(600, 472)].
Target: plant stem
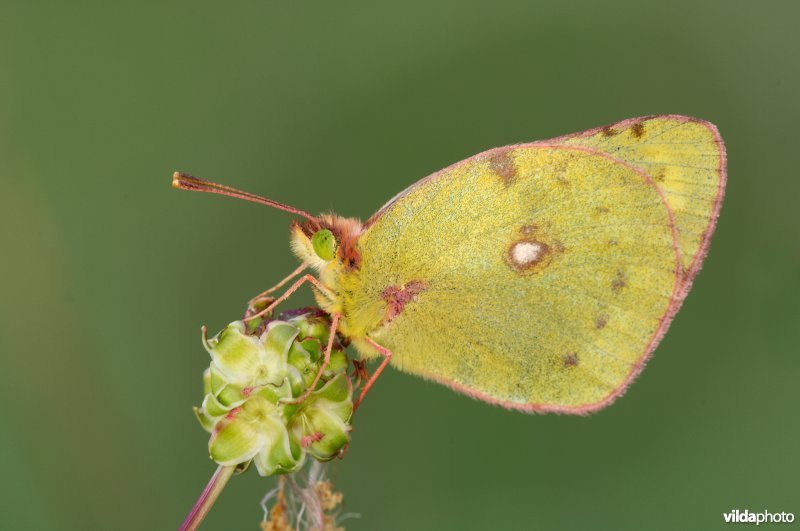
[(207, 498)]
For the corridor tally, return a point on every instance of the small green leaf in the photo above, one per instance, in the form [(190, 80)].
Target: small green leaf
[(314, 348), (207, 381), (212, 407), (313, 326), (338, 389), (279, 337), (216, 379), (231, 396), (322, 421), (206, 421), (278, 455), (299, 357), (337, 364), (273, 393), (235, 442), (235, 354)]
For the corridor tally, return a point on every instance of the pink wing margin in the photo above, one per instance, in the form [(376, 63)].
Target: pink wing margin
[(682, 286)]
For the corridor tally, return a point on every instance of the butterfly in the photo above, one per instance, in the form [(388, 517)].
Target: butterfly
[(539, 277)]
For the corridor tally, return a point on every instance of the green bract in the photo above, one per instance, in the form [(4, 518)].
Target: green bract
[(252, 376)]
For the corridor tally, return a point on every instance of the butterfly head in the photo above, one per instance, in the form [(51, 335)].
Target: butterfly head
[(328, 239)]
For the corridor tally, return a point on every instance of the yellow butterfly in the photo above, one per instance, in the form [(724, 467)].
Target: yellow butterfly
[(537, 276)]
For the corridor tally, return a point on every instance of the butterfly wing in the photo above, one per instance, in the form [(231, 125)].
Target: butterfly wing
[(538, 276), (686, 159)]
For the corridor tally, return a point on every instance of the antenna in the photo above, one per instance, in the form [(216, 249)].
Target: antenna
[(184, 181)]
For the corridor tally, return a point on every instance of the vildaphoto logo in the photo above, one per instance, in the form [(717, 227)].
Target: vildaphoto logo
[(764, 517)]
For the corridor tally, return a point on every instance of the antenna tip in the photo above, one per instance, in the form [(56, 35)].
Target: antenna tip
[(176, 179)]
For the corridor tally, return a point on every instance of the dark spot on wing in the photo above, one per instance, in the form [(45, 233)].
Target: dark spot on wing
[(637, 130), (570, 360), (502, 164), (601, 321), (397, 297), (660, 175), (609, 131), (619, 282)]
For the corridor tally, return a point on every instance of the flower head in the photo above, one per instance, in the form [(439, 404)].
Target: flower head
[(254, 372)]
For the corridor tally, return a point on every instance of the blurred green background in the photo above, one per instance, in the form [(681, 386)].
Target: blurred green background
[(107, 273)]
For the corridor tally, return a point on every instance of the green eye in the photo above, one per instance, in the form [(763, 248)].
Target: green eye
[(324, 244)]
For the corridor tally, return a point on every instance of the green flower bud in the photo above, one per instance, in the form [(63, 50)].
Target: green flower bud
[(321, 424), (249, 361), (311, 322)]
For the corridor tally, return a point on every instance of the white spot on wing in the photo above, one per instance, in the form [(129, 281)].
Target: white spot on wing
[(525, 253)]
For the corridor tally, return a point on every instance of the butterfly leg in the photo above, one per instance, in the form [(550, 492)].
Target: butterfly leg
[(294, 287), (325, 361), (387, 357), (281, 283)]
